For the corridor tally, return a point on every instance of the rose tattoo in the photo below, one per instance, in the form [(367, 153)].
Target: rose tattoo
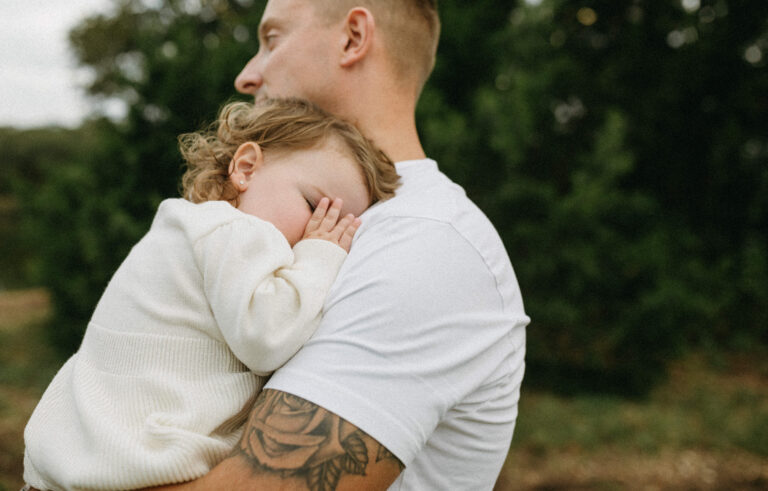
[(290, 435)]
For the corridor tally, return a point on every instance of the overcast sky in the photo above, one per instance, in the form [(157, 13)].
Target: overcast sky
[(38, 75)]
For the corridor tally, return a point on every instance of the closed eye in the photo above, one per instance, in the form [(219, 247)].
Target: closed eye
[(267, 34), (311, 205), (269, 40)]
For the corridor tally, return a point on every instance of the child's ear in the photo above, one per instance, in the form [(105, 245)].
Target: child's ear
[(248, 159)]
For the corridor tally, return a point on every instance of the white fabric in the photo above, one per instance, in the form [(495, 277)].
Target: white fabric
[(156, 391), (423, 338)]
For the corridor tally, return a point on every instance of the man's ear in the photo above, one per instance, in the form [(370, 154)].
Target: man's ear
[(248, 159), (359, 28)]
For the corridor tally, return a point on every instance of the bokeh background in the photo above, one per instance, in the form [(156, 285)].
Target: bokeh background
[(620, 147)]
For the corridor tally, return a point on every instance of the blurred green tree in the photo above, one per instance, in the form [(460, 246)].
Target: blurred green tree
[(29, 156), (626, 172)]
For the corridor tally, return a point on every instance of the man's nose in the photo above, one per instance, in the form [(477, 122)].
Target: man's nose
[(249, 80)]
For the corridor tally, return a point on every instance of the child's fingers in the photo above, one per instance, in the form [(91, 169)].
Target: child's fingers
[(345, 241), (317, 216), (332, 216), (341, 226)]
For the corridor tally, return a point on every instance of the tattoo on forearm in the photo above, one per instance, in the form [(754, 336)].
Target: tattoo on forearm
[(290, 436)]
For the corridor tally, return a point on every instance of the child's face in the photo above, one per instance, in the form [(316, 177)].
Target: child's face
[(285, 190)]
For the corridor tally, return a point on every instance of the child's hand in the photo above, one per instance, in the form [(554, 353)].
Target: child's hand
[(325, 224)]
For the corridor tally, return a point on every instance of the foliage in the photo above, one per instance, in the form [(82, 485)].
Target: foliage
[(29, 156), (618, 145)]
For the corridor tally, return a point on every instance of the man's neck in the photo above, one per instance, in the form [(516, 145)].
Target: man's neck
[(401, 146), (384, 109), (394, 131)]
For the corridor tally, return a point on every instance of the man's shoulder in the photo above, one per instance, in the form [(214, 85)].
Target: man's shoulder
[(430, 203), (426, 194), (431, 227)]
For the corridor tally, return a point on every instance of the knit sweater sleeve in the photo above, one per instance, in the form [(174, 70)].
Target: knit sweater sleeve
[(265, 297)]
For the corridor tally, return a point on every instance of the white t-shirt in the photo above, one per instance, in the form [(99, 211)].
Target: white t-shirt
[(423, 338), (160, 387)]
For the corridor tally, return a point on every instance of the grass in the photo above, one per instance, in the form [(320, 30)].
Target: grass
[(27, 364), (705, 428), (695, 408)]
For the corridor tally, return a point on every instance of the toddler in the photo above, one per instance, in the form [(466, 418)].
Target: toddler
[(224, 288)]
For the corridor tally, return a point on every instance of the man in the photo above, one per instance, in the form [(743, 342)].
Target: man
[(413, 377)]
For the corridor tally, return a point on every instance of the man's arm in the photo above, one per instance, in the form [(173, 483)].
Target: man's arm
[(291, 444)]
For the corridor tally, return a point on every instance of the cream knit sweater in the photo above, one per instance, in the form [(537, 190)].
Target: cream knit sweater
[(206, 305)]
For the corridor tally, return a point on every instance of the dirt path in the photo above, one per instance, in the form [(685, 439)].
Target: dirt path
[(620, 470)]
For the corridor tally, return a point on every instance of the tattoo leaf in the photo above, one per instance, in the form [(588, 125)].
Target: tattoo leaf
[(383, 453), (353, 467), (325, 476), (356, 458)]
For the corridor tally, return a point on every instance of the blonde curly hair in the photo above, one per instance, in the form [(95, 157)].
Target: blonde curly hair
[(274, 124)]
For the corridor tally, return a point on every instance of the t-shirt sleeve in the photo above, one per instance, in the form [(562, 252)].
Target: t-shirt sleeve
[(265, 297), (409, 329)]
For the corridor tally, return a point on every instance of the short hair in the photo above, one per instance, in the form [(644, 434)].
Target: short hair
[(411, 31), (275, 124)]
